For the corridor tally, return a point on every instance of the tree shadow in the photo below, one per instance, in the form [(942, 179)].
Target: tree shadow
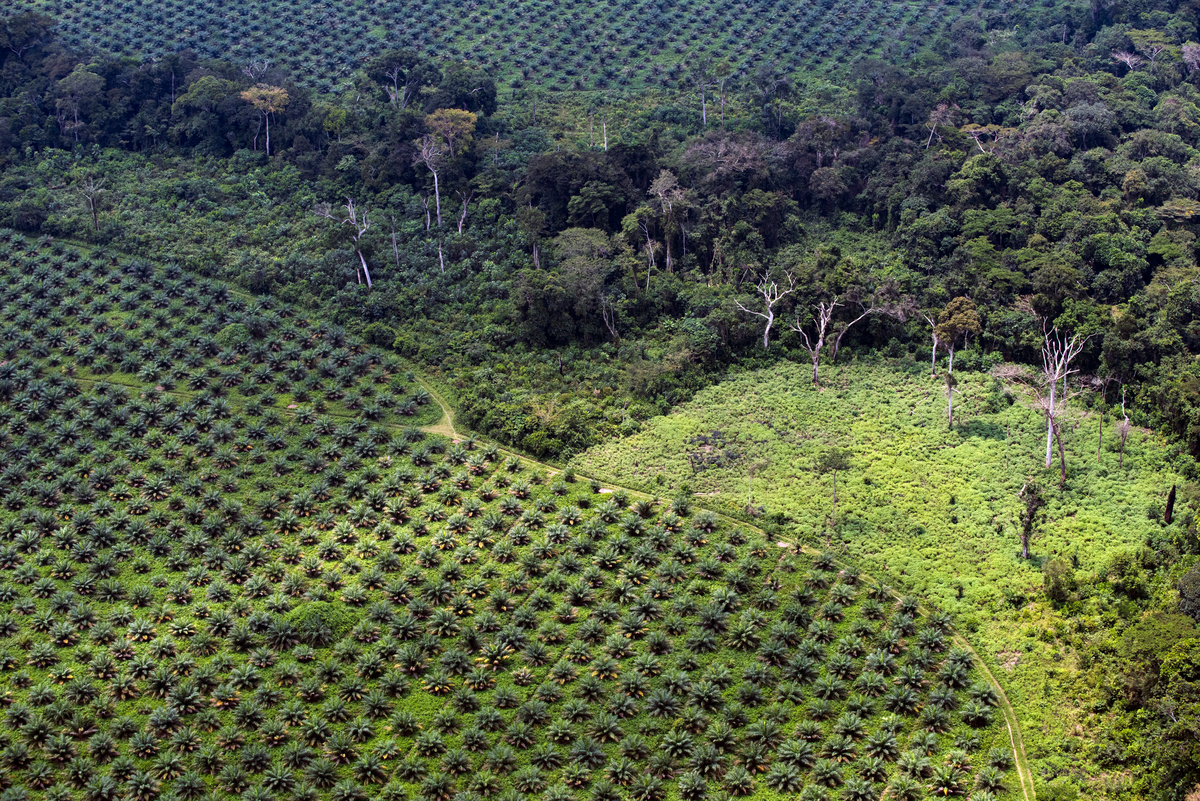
[(983, 429)]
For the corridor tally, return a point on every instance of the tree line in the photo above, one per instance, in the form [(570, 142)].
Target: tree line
[(1049, 180)]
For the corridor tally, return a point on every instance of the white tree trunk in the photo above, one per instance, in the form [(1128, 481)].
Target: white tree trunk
[(364, 266), (1050, 425), (437, 197)]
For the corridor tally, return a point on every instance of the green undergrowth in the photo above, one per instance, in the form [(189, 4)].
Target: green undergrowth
[(936, 511), (931, 510), (209, 593)]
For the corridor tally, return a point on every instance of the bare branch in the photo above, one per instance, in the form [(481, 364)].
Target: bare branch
[(431, 155), (837, 342), (466, 199), (359, 220), (824, 314), (608, 313), (771, 293), (936, 342)]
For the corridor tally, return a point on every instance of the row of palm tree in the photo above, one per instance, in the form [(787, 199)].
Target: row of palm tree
[(201, 592)]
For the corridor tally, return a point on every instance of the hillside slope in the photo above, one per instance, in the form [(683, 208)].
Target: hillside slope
[(937, 512)]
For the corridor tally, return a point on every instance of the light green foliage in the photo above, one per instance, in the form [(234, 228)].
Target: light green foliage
[(920, 504), (938, 512)]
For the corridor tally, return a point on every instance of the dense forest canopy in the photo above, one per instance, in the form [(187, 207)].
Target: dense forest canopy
[(1047, 177), (574, 246)]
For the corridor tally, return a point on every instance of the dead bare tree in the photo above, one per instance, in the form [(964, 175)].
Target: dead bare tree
[(816, 342), (608, 313), (936, 342), (1058, 351), (651, 262), (824, 327), (1130, 60), (771, 293), (431, 154), (942, 115), (1037, 385), (465, 197), (359, 223), (425, 203), (256, 69), (395, 247), (1123, 429), (90, 189), (866, 309)]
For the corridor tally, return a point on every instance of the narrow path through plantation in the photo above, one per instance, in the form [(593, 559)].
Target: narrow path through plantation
[(445, 427)]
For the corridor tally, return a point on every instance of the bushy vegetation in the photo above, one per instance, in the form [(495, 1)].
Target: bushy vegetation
[(920, 501), (1044, 170), (1077, 633), (205, 592)]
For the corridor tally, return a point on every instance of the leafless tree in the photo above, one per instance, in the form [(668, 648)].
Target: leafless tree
[(431, 155), (608, 313), (256, 69), (465, 197), (405, 90), (1058, 351), (425, 203), (1130, 60), (395, 247), (771, 292), (823, 328), (1046, 396), (701, 76), (1123, 429), (359, 223), (644, 222), (815, 343), (936, 342), (942, 115), (90, 189)]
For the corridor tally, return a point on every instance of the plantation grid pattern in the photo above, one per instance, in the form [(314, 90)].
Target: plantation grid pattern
[(557, 45), (209, 587)]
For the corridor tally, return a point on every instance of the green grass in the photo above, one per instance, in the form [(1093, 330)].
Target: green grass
[(926, 509), (920, 503)]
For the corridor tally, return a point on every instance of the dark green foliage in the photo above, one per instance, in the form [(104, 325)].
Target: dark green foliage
[(1189, 594)]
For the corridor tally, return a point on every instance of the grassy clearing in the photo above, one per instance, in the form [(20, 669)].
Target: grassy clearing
[(927, 509), (932, 510)]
